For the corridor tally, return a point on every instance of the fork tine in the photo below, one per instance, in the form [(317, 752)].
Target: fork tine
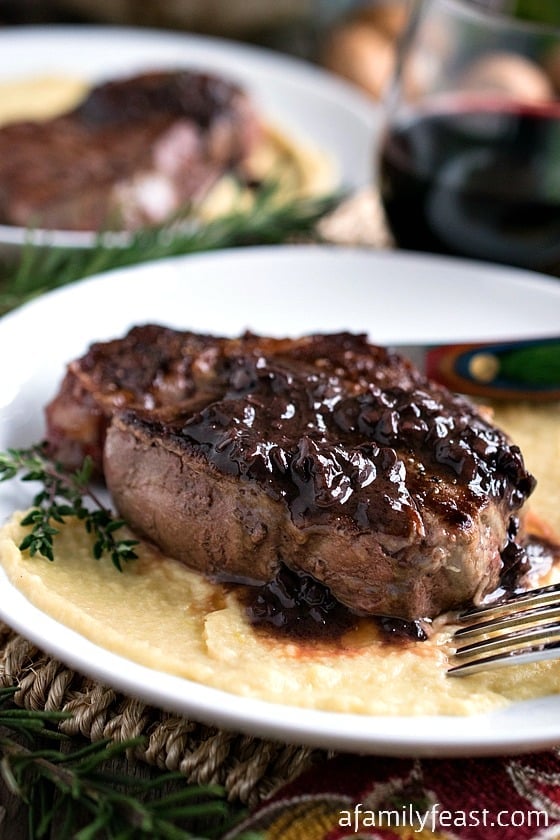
[(520, 600), (515, 619), (518, 656), (504, 642), (523, 628)]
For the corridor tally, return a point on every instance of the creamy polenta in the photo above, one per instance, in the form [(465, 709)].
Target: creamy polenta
[(39, 98), (159, 613)]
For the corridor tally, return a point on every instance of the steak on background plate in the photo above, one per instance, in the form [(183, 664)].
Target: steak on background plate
[(325, 454), (132, 153)]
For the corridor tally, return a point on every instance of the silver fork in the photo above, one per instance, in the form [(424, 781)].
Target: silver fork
[(522, 628)]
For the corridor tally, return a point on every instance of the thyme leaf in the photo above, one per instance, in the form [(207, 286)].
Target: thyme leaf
[(64, 494)]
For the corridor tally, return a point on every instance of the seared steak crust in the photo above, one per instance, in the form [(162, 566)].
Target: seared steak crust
[(131, 154), (325, 454)]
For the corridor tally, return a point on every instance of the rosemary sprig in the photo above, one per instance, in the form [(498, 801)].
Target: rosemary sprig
[(63, 494), (269, 220), (76, 790), (27, 724)]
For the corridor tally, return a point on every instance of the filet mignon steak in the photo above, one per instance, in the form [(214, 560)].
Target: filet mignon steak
[(325, 454)]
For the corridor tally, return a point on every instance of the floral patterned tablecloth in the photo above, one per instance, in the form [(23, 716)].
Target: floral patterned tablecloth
[(512, 798)]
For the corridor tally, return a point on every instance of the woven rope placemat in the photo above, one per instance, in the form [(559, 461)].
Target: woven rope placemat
[(248, 768)]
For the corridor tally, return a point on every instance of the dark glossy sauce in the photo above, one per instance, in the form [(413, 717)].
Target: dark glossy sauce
[(296, 606), (360, 450), (524, 563)]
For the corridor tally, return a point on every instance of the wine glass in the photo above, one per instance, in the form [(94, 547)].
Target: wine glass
[(469, 160)]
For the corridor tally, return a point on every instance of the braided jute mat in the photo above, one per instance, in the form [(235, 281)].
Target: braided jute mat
[(248, 768)]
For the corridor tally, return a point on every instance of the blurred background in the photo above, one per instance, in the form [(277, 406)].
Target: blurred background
[(353, 38)]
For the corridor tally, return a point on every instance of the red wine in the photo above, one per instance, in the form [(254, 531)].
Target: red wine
[(481, 181)]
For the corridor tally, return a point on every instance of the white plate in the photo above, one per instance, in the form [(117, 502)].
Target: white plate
[(307, 102), (284, 291)]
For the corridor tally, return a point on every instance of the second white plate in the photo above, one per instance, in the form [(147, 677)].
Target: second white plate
[(284, 291), (307, 102)]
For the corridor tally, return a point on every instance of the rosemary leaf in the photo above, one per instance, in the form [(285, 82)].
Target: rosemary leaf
[(270, 220), (75, 790), (77, 787)]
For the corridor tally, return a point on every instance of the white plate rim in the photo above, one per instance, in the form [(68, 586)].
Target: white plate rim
[(36, 49), (520, 728)]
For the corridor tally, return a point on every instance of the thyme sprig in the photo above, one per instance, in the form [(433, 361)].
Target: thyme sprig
[(269, 220), (76, 791), (64, 494)]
